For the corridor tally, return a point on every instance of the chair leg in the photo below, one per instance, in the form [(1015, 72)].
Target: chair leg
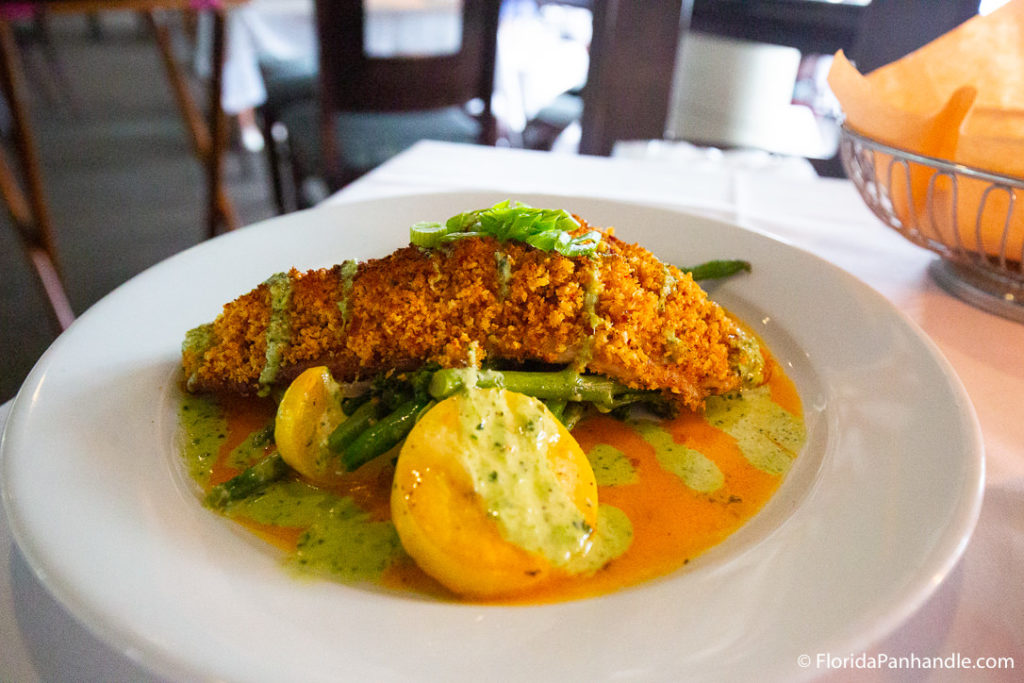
[(298, 179), (53, 286), (267, 122), (220, 210), (199, 133), (209, 138), (55, 64), (41, 260), (29, 214)]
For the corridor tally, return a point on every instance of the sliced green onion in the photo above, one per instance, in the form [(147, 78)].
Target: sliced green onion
[(427, 234)]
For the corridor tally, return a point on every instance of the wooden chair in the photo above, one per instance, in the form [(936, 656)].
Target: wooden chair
[(22, 189), (626, 96), (369, 108), (632, 55)]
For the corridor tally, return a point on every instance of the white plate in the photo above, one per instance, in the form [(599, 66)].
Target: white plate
[(871, 518)]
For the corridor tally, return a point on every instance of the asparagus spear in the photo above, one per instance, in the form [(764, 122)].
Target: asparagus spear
[(270, 469), (563, 385), (364, 417), (364, 438), (573, 414), (712, 270), (384, 435), (556, 406)]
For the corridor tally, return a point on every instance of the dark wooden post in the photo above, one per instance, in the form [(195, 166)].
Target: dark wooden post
[(632, 58)]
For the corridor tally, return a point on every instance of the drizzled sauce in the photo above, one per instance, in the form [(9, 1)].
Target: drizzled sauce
[(668, 490)]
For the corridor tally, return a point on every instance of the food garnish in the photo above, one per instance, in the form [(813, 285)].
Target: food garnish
[(545, 229)]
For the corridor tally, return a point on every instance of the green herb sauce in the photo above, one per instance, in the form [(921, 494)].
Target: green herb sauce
[(278, 329), (591, 293), (252, 449), (198, 340), (348, 271), (519, 489), (340, 539), (675, 350), (768, 436), (667, 286), (205, 431), (696, 470), (504, 273), (505, 460), (745, 356), (611, 539), (348, 545), (611, 466)]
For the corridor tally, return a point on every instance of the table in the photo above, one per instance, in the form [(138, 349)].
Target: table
[(25, 197), (978, 611)]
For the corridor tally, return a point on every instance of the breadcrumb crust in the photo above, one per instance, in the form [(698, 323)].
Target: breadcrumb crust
[(648, 324)]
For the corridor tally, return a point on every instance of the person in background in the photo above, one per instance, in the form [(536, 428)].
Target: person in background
[(257, 32)]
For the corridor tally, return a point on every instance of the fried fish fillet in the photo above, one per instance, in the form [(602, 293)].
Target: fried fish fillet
[(621, 313)]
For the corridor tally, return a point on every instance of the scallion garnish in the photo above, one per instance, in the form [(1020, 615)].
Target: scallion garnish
[(545, 229), (428, 234)]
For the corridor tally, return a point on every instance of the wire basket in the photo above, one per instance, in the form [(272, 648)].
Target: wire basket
[(967, 216)]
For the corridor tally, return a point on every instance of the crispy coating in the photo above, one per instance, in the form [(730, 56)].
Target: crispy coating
[(621, 313)]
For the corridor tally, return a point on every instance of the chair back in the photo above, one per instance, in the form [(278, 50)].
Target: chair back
[(351, 80)]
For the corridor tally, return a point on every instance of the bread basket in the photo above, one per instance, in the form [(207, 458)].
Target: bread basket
[(973, 219)]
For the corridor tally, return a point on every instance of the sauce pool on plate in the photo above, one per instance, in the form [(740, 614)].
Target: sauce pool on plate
[(668, 490)]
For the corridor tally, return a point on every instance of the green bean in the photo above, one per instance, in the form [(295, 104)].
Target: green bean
[(270, 469), (569, 413), (352, 403), (712, 270), (566, 385), (384, 435), (365, 416), (263, 436), (573, 414), (556, 406)]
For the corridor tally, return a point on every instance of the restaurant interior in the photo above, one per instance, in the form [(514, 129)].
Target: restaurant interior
[(831, 195), (124, 188)]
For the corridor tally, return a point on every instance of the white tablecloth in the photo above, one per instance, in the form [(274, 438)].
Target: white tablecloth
[(978, 611)]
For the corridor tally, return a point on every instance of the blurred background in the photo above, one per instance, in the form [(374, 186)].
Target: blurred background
[(740, 80)]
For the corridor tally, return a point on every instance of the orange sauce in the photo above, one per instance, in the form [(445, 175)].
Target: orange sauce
[(245, 416), (672, 524)]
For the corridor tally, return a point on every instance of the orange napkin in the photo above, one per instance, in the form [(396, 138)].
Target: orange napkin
[(959, 98)]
